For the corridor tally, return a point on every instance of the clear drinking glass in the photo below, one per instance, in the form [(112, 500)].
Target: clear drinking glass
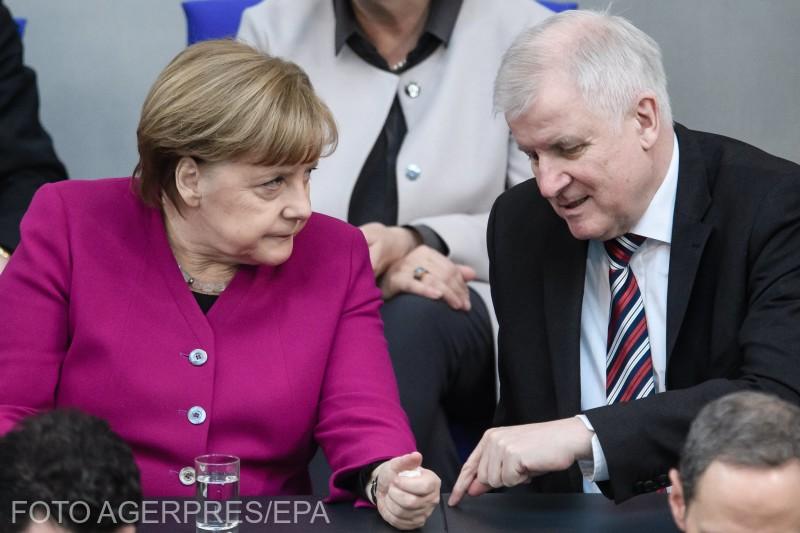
[(217, 482)]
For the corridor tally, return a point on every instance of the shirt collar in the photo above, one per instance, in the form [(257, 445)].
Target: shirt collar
[(441, 21), (656, 223)]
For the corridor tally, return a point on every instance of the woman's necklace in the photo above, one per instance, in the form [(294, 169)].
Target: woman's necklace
[(204, 287)]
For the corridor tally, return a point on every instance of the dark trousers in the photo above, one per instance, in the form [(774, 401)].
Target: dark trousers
[(444, 362)]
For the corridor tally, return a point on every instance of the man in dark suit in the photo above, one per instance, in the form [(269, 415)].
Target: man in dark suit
[(27, 158), (647, 270)]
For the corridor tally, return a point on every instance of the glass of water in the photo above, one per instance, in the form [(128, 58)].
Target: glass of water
[(217, 482)]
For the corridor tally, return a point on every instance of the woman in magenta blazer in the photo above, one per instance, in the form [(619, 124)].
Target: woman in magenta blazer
[(202, 307)]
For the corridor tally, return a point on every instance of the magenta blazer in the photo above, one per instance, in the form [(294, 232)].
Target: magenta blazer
[(96, 315)]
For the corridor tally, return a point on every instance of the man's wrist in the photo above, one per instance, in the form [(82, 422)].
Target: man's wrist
[(583, 451), (594, 467)]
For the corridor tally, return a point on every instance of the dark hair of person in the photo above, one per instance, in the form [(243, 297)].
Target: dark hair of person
[(67, 455), (744, 429)]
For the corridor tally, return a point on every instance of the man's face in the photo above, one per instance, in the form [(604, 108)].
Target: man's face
[(740, 499), (597, 174)]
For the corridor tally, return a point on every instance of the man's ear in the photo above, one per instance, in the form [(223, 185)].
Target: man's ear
[(648, 120), (187, 180), (676, 501)]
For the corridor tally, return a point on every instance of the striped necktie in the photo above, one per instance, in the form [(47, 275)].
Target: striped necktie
[(629, 365)]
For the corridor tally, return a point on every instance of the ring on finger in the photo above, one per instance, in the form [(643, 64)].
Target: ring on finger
[(420, 272)]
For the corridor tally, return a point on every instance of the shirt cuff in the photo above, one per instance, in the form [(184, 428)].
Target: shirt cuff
[(596, 468), (430, 238)]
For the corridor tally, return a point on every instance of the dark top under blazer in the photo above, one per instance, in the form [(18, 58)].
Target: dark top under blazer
[(733, 307)]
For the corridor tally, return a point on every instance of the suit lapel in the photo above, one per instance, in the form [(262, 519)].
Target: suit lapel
[(564, 272), (689, 233)]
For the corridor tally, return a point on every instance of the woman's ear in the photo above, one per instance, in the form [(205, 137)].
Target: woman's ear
[(187, 181)]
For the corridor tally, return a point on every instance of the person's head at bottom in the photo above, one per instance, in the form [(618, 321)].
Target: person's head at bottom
[(740, 467), (70, 457)]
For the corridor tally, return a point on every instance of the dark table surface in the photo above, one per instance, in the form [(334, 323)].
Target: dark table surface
[(487, 513), (559, 513)]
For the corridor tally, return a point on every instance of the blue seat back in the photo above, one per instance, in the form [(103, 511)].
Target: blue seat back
[(21, 26), (558, 7), (213, 19)]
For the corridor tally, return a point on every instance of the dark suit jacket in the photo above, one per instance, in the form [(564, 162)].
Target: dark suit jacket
[(27, 159), (733, 307)]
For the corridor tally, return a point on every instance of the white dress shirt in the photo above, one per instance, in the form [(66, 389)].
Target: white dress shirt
[(650, 266)]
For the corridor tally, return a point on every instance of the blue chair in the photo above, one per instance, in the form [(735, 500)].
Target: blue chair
[(558, 7), (217, 19), (213, 19), (21, 26)]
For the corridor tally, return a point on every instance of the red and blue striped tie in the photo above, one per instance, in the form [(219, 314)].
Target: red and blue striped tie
[(629, 365)]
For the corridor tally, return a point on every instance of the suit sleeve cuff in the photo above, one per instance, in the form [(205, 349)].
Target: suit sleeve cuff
[(596, 468), (430, 238)]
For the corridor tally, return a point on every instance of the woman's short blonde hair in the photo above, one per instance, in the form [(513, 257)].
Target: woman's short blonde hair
[(223, 100)]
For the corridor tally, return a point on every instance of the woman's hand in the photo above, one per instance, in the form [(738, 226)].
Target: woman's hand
[(388, 244), (406, 493), (428, 273)]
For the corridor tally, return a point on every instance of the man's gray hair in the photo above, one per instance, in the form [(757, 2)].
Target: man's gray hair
[(744, 429), (611, 61)]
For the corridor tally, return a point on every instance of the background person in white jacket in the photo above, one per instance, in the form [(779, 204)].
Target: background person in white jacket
[(421, 158)]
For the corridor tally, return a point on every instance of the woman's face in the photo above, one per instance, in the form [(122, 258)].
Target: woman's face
[(249, 214)]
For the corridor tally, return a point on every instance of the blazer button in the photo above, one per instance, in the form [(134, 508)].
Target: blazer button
[(197, 415), (413, 89), (413, 171), (198, 357), (186, 475)]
